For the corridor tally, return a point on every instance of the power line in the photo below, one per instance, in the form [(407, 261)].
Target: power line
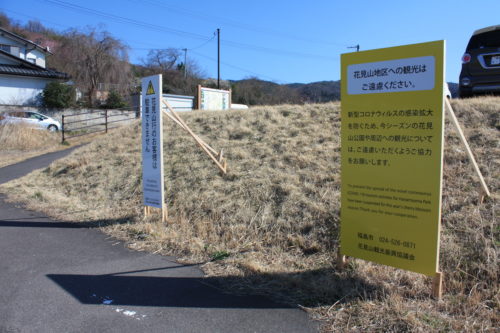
[(35, 18), (239, 25), (121, 19), (159, 48), (276, 51), (236, 67), (203, 44), (154, 47)]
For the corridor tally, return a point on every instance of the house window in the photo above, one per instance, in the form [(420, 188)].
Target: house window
[(5, 47), (14, 50), (32, 60)]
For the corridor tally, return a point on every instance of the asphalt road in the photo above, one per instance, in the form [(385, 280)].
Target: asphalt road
[(68, 277)]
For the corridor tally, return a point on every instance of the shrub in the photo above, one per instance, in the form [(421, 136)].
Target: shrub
[(58, 95), (115, 101)]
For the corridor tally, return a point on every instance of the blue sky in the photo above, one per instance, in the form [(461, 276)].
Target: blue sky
[(282, 41)]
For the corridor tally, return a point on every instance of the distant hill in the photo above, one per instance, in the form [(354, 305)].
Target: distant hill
[(317, 92), (254, 91)]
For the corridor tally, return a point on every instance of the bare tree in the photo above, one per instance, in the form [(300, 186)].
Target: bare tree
[(177, 77), (93, 58), (162, 59), (35, 26)]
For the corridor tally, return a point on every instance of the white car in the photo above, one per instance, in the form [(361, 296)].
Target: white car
[(31, 119)]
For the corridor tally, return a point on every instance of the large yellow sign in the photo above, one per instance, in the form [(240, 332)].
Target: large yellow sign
[(392, 145)]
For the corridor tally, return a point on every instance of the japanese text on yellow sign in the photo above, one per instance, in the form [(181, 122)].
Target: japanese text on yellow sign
[(392, 144)]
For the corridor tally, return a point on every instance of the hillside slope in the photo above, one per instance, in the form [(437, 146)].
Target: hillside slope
[(274, 218)]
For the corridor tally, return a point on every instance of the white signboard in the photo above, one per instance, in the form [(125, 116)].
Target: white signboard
[(214, 99), (409, 74), (152, 141)]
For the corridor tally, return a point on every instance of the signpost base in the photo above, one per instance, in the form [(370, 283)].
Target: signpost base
[(341, 260), (164, 213), (437, 286), (148, 211)]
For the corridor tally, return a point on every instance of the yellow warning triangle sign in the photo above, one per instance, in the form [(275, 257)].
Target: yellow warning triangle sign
[(151, 90)]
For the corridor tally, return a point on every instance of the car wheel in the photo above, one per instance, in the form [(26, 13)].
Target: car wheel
[(52, 128), (464, 94)]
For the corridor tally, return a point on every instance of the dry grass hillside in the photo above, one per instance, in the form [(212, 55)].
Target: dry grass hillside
[(271, 225), (18, 142)]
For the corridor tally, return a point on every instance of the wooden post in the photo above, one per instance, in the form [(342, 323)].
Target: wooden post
[(454, 120), (221, 156), (106, 120), (148, 211), (482, 194), (184, 128), (202, 144), (437, 286), (164, 213), (341, 260)]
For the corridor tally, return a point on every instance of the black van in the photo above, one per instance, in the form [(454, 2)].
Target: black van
[(481, 64)]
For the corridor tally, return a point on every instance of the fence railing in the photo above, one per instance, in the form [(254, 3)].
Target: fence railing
[(93, 121)]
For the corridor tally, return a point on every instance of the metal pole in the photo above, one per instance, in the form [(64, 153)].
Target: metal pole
[(106, 119), (185, 62), (62, 129), (218, 58), (354, 47)]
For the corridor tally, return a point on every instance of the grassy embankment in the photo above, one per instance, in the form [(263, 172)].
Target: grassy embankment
[(274, 219), (20, 142)]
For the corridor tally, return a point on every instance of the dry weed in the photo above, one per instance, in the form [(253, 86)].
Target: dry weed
[(22, 137), (274, 218), (19, 142)]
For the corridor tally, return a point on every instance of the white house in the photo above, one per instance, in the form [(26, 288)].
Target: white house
[(23, 75)]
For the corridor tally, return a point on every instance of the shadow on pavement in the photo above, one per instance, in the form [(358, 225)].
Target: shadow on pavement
[(116, 289), (41, 222)]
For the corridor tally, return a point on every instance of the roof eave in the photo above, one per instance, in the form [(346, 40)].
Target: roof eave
[(38, 76), (21, 60), (24, 40)]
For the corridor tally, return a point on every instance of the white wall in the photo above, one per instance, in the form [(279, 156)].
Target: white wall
[(8, 41), (39, 57), (16, 90), (36, 54)]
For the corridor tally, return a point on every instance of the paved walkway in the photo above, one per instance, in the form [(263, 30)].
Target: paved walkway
[(63, 277)]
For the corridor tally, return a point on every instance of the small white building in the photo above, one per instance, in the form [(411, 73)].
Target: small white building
[(23, 75)]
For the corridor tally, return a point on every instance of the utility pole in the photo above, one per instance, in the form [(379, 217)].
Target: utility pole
[(218, 58), (185, 62), (354, 47)]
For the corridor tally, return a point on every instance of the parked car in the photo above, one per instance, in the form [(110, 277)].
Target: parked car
[(481, 63), (31, 119)]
